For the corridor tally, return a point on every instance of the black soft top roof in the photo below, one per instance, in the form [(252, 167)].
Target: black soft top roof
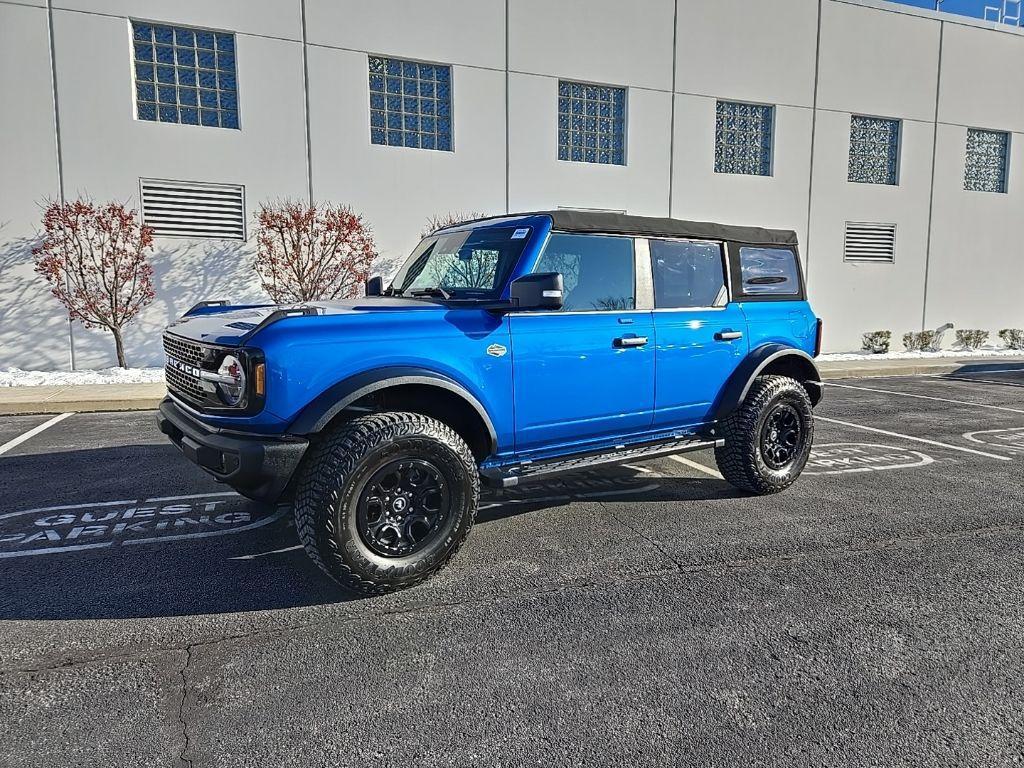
[(651, 226)]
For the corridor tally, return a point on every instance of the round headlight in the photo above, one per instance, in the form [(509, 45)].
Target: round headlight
[(231, 382)]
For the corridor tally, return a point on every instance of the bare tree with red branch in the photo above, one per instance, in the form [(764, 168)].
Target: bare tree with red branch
[(312, 252), (450, 219), (95, 260)]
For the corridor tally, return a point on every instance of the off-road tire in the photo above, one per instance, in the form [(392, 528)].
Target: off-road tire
[(331, 481), (740, 460)]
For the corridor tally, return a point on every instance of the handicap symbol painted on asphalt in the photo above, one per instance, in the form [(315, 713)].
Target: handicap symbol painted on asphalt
[(1008, 439), (75, 527), (839, 458)]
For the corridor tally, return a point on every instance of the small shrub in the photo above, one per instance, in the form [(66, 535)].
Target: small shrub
[(877, 341), (971, 338), (921, 341), (1013, 338)]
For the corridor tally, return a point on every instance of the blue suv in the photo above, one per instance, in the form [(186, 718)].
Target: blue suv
[(505, 349)]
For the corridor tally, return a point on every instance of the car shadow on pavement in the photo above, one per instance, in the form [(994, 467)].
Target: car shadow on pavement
[(133, 532)]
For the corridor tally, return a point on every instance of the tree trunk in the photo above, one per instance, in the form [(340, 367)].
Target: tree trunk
[(119, 345)]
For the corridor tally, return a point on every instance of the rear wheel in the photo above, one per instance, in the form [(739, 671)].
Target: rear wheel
[(385, 500), (768, 438)]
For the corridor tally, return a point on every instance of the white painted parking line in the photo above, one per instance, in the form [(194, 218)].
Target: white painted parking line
[(699, 467), (925, 397), (982, 381), (10, 444), (975, 373), (915, 439)]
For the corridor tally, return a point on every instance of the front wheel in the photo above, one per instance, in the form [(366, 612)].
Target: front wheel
[(768, 438), (386, 500)]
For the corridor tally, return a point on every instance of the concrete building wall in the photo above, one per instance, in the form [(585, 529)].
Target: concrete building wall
[(817, 63), (878, 64), (975, 267), (33, 329)]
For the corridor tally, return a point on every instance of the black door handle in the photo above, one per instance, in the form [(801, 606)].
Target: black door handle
[(631, 341)]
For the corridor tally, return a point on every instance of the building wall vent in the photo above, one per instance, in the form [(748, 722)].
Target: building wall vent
[(193, 209), (870, 242)]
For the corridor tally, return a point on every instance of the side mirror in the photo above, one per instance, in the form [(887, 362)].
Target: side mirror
[(542, 290), (375, 286)]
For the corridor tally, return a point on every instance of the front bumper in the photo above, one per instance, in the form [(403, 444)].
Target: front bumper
[(257, 466)]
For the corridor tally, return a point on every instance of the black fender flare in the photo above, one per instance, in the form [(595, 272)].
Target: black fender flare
[(332, 401), (738, 385)]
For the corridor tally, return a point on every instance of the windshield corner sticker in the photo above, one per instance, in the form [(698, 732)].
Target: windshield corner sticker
[(73, 527), (840, 458), (519, 234), (496, 350)]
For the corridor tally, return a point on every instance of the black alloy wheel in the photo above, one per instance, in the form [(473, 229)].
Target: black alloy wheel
[(402, 507), (781, 436)]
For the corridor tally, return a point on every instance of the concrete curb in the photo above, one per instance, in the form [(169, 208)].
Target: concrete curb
[(856, 369), (146, 397), (81, 399)]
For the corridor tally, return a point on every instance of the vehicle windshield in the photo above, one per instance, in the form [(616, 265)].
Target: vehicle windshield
[(472, 264)]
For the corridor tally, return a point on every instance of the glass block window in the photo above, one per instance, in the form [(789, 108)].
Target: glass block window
[(410, 104), (874, 150), (185, 75), (987, 155), (591, 123), (743, 138)]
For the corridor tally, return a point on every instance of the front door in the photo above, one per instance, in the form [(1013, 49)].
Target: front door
[(702, 337), (585, 374)]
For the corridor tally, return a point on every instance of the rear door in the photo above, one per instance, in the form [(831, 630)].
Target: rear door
[(701, 335), (584, 374)]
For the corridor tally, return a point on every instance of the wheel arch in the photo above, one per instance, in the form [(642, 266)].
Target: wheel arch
[(403, 388), (766, 360)]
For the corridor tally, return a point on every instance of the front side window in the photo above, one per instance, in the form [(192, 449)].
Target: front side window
[(597, 271), (986, 163), (473, 264), (410, 104), (769, 272), (874, 150), (185, 75), (591, 123), (687, 274), (743, 138)]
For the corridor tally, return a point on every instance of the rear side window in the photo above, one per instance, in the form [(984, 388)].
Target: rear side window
[(687, 274), (769, 272), (597, 271)]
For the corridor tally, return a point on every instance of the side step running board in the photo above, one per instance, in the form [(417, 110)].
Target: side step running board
[(513, 474)]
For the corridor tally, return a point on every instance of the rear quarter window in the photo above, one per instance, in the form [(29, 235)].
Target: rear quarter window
[(769, 273)]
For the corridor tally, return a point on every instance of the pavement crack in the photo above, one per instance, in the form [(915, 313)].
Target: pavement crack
[(636, 531), (186, 743), (721, 566)]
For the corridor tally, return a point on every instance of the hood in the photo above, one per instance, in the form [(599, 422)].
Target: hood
[(232, 325)]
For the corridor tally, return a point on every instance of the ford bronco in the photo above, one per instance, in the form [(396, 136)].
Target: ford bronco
[(505, 349)]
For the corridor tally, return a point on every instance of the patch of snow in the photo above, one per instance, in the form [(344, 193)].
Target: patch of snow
[(942, 353), (16, 377)]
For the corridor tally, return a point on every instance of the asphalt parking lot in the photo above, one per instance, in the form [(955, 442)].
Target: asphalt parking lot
[(645, 615)]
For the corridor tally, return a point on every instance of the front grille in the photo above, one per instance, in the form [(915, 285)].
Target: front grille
[(183, 384), (183, 350), (179, 382)]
